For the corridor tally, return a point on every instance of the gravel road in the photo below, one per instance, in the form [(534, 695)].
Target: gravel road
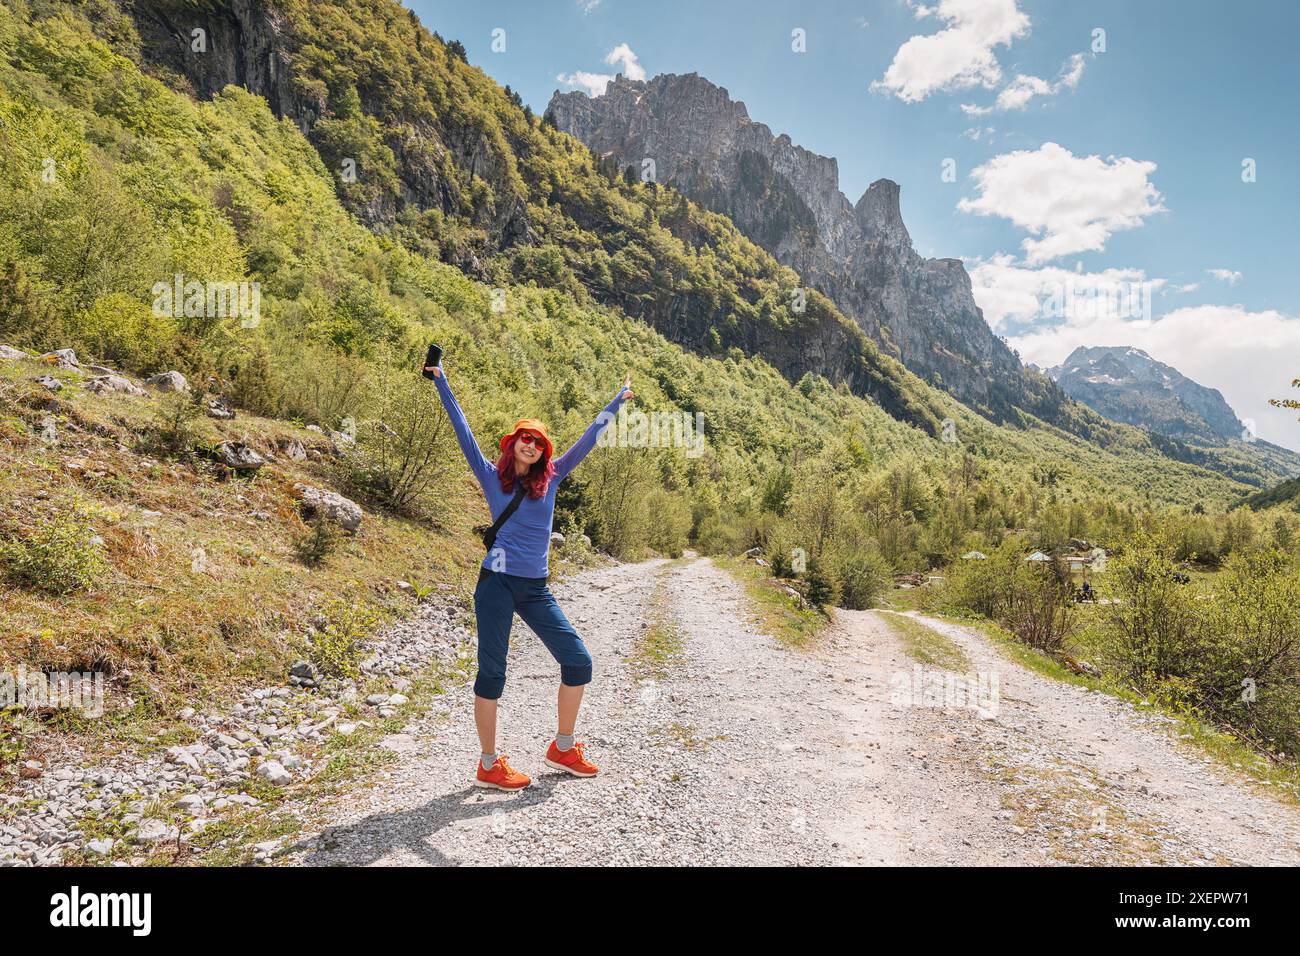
[(732, 748)]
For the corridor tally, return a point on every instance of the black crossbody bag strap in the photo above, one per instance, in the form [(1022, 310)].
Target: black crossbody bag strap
[(490, 535)]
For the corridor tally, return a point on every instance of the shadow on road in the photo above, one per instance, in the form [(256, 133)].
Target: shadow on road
[(381, 835)]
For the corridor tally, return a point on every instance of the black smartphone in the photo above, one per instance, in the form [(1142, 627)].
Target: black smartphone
[(431, 360)]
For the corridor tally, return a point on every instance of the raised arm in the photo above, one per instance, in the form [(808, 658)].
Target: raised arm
[(569, 460), (483, 469)]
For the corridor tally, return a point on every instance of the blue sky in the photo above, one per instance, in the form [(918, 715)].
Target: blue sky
[(1074, 168)]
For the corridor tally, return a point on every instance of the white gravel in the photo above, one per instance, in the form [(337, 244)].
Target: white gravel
[(268, 727)]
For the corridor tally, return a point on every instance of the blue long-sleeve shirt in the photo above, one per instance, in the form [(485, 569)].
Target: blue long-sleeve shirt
[(523, 544)]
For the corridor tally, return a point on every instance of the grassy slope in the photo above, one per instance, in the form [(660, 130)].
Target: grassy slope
[(209, 587)]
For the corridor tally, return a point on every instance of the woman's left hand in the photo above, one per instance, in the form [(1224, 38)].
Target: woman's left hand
[(628, 394)]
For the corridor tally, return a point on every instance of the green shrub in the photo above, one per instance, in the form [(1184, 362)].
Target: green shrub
[(864, 578), (618, 484), (1035, 601), (668, 526), (821, 586), (320, 541), (177, 427), (1042, 611), (405, 448), (336, 646), (1152, 625), (124, 332), (59, 557), (1246, 664)]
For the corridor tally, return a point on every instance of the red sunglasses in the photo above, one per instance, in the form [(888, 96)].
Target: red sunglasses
[(530, 439)]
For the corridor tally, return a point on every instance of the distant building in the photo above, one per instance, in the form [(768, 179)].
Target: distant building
[(974, 556), (1039, 557)]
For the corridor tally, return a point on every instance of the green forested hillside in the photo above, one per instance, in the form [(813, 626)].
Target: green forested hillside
[(121, 182), (118, 182), (453, 166)]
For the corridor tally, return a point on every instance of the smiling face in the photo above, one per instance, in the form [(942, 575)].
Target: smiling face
[(528, 449)]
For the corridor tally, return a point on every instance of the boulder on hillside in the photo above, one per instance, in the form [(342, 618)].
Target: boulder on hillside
[(113, 383), (63, 358), (11, 354), (49, 383), (344, 512), (98, 370), (238, 456), (293, 449), (219, 408), (557, 539), (169, 382)]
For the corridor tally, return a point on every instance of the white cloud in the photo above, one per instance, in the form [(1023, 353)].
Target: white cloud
[(1185, 288), (1017, 94), (978, 132), (1011, 294), (1229, 276), (959, 56), (1071, 72), (595, 83), (587, 6), (1074, 202), (1248, 356), (623, 54)]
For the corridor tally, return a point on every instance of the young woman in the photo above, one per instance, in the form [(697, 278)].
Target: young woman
[(512, 581)]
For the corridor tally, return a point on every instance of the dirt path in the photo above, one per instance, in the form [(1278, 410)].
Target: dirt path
[(720, 745)]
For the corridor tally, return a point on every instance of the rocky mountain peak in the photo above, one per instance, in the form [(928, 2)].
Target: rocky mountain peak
[(879, 215), (1128, 385), (787, 199)]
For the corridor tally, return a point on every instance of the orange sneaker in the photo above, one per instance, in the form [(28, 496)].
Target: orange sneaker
[(502, 776), (570, 761)]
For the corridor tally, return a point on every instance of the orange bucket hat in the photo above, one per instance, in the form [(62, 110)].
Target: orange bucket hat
[(532, 425)]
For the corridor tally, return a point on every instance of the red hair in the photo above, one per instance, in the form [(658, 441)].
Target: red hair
[(538, 477)]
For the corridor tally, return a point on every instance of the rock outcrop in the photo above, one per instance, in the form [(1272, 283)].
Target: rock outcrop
[(787, 199), (106, 384)]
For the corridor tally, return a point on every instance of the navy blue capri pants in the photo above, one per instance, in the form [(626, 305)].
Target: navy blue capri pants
[(497, 599)]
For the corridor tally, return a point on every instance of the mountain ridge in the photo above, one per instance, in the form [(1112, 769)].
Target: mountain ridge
[(452, 166), (1128, 385), (788, 200)]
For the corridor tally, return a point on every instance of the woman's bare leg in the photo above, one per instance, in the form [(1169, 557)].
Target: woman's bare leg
[(567, 704), (485, 719)]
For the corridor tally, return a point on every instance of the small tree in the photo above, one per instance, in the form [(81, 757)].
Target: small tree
[(1152, 622), (1042, 604), (404, 445)]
